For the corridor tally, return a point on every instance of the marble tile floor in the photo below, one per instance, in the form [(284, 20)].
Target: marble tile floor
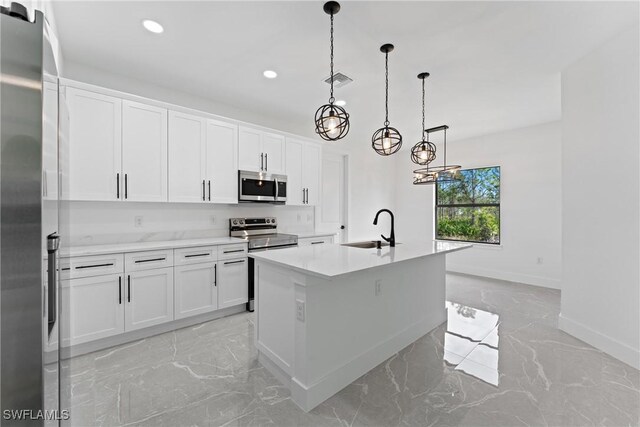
[(499, 360)]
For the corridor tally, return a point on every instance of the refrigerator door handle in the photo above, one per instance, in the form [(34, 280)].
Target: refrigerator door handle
[(53, 243)]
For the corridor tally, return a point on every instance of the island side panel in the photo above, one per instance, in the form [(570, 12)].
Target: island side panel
[(275, 316), (349, 329)]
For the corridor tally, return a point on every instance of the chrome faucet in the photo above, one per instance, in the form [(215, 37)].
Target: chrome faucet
[(391, 239)]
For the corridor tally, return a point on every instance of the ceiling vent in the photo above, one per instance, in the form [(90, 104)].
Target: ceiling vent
[(339, 80)]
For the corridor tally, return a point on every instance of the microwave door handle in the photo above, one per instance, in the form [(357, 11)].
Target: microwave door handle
[(276, 184)]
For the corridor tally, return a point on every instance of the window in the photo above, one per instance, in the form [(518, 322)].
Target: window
[(468, 208)]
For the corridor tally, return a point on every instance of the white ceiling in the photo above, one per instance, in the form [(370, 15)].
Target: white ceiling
[(493, 65)]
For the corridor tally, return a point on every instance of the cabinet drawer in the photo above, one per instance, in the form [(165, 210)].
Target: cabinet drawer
[(89, 266), (197, 255), (232, 251), (313, 241), (137, 261)]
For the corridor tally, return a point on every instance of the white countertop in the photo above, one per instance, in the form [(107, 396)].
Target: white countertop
[(328, 261), (146, 246)]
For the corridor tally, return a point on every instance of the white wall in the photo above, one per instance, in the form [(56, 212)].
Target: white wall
[(529, 159), (600, 198), (114, 222)]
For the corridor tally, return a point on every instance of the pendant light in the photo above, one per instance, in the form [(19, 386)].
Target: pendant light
[(331, 120), (386, 140), (424, 152), (433, 174)]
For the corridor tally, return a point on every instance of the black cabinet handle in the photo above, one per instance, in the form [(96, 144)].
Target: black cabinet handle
[(316, 243), (261, 161), (209, 190), (215, 274), (203, 199), (126, 186), (234, 251), (234, 262), (140, 261), (128, 288), (119, 289), (80, 267), (195, 255), (118, 185), (266, 161)]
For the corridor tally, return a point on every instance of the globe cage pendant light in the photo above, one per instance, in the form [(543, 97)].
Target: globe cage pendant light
[(331, 120), (386, 140), (424, 152), (433, 174)]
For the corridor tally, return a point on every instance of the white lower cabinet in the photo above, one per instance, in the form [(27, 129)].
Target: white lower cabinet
[(112, 294), (149, 298), (195, 289), (232, 282), (96, 308)]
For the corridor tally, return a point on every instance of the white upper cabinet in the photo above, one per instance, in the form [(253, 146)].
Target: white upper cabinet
[(261, 151), (222, 162), (303, 172), (95, 146), (187, 173), (50, 142), (274, 153), (311, 157), (144, 152), (295, 189)]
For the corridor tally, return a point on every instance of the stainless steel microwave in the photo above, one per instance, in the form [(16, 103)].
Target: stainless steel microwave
[(262, 187)]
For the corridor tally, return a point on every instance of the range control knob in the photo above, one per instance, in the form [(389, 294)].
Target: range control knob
[(235, 221)]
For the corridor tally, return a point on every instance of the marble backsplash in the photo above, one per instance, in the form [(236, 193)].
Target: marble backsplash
[(95, 223)]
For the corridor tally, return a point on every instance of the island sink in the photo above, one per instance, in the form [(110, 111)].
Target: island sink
[(367, 244)]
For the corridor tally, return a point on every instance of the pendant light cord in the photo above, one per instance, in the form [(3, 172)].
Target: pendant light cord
[(423, 116), (331, 98), (386, 89)]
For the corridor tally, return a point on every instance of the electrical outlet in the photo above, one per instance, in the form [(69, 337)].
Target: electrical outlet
[(540, 260), (300, 310), (137, 221), (378, 288)]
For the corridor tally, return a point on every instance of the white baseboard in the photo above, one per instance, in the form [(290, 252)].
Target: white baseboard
[(613, 347), (308, 396), (527, 279)]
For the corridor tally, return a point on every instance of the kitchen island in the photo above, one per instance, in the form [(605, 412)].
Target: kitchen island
[(327, 314)]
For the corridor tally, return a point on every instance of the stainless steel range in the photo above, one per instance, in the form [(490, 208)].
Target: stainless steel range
[(261, 234)]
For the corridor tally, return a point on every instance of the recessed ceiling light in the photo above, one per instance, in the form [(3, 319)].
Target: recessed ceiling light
[(270, 74), (341, 102), (152, 26)]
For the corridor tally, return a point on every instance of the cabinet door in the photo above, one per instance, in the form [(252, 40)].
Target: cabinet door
[(250, 150), (311, 172), (149, 298), (186, 157), (96, 308), (144, 152), (94, 147), (50, 141), (273, 148), (233, 284), (295, 188), (196, 290), (222, 162)]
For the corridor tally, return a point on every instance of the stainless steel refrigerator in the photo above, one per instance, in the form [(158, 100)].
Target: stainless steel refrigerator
[(29, 215)]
